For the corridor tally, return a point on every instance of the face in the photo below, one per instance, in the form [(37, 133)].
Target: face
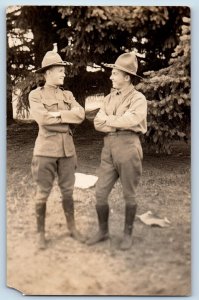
[(119, 79), (55, 75)]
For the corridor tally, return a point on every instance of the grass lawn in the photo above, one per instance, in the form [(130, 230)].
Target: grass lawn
[(159, 263)]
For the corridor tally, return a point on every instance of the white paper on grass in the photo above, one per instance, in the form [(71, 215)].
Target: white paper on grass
[(149, 219), (85, 181)]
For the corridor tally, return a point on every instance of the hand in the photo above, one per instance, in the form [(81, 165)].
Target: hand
[(75, 108), (102, 115), (55, 113)]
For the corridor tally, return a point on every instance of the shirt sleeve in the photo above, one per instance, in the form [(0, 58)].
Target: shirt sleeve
[(100, 121), (133, 116), (38, 110), (76, 113)]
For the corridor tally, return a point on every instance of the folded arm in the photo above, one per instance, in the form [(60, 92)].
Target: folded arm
[(100, 122), (40, 114), (76, 114), (132, 117)]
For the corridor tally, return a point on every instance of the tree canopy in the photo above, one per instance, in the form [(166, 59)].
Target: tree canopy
[(169, 92), (91, 35)]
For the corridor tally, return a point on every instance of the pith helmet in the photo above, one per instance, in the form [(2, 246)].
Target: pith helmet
[(126, 62), (51, 58)]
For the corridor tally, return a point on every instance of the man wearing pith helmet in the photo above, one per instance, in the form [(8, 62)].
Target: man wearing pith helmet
[(54, 109), (122, 118)]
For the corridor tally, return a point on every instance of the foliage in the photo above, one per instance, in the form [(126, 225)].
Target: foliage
[(90, 35), (168, 92), (102, 33), (19, 48), (22, 91), (27, 42), (95, 34)]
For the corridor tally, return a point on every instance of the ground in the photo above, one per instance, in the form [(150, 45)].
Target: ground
[(159, 261)]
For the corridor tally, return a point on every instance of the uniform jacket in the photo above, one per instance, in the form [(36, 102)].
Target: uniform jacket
[(54, 136), (123, 110)]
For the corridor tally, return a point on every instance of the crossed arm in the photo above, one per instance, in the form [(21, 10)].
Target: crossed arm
[(129, 119), (55, 120)]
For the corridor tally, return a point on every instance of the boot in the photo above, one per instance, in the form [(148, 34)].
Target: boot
[(130, 211), (102, 234), (40, 216), (68, 207)]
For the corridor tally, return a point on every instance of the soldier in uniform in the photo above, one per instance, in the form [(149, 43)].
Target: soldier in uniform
[(54, 109), (122, 117)]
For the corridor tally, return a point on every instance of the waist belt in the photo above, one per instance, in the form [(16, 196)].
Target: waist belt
[(121, 132)]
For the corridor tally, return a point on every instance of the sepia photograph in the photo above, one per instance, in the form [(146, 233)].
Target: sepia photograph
[(98, 199)]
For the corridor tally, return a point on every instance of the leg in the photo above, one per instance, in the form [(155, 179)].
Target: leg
[(102, 234), (40, 215), (130, 211), (43, 171), (105, 183), (129, 163), (130, 173), (107, 175), (66, 180)]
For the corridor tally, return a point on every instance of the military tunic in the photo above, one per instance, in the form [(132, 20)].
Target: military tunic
[(55, 137), (122, 117), (54, 150)]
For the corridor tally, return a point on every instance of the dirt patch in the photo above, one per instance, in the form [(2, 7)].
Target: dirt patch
[(158, 263)]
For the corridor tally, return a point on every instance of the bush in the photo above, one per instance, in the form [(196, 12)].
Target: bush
[(168, 94)]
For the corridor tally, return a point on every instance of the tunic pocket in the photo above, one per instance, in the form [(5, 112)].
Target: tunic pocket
[(50, 104), (46, 133)]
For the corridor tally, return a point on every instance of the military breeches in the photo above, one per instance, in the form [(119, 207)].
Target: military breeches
[(121, 158), (44, 170)]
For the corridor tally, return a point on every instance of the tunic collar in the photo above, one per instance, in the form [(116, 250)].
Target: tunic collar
[(51, 86), (123, 92)]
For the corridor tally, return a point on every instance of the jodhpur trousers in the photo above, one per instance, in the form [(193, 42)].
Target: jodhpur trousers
[(121, 157), (44, 170)]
